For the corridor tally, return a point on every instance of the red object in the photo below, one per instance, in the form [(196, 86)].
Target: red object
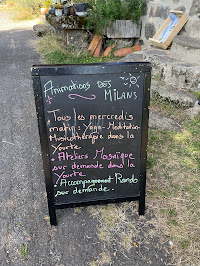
[(128, 50), (108, 50), (94, 43), (98, 49), (137, 48)]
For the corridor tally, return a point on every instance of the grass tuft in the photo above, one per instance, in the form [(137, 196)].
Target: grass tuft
[(55, 52), (24, 9), (23, 250), (104, 259), (174, 184)]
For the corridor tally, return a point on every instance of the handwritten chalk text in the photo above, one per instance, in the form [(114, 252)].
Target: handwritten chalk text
[(115, 95), (48, 87)]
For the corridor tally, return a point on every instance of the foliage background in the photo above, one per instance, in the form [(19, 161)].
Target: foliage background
[(105, 12)]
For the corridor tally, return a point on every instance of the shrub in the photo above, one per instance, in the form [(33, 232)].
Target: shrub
[(105, 12), (28, 9)]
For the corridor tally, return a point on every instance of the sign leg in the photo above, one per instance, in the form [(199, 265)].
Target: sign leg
[(52, 214), (142, 205)]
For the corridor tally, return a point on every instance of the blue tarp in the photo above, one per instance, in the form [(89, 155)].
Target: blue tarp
[(175, 19)]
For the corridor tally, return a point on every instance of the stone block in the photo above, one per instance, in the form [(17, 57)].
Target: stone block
[(171, 94), (76, 38), (157, 121), (120, 43), (194, 111), (159, 11), (193, 30), (187, 48), (134, 57), (41, 29), (172, 70), (195, 8), (150, 30), (72, 30), (193, 78), (67, 22)]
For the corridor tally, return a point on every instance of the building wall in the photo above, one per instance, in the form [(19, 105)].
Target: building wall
[(158, 10)]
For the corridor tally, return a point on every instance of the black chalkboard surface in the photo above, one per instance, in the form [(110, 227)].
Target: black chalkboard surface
[(93, 123)]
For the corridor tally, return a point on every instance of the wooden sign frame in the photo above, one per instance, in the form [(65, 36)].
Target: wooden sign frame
[(39, 71)]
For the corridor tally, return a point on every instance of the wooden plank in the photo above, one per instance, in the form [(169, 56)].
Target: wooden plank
[(156, 41), (178, 13), (124, 29)]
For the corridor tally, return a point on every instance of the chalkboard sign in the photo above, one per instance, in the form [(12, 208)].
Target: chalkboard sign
[(93, 123)]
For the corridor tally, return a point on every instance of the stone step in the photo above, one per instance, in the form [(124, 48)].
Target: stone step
[(41, 29), (134, 57), (168, 69), (157, 121), (172, 70), (167, 93), (186, 48), (163, 91)]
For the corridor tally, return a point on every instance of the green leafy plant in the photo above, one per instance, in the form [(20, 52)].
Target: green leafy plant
[(25, 9), (105, 12), (47, 3), (78, 1), (55, 53), (34, 4), (23, 250)]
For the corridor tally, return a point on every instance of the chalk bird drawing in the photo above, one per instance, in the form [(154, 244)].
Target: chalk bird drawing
[(132, 80)]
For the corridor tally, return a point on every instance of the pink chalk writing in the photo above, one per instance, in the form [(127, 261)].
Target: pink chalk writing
[(49, 99), (87, 166), (72, 97), (55, 168), (63, 175), (66, 156), (117, 155)]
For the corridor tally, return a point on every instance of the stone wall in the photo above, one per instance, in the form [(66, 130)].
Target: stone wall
[(72, 29), (158, 11)]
